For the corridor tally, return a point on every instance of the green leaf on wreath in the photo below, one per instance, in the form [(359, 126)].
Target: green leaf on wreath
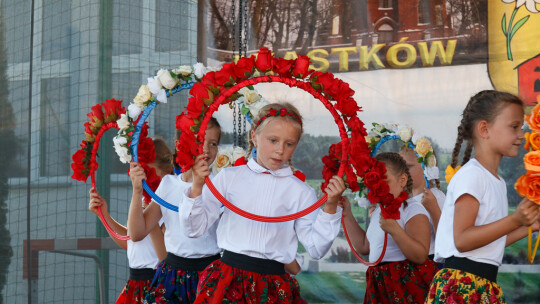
[(244, 110), (250, 87)]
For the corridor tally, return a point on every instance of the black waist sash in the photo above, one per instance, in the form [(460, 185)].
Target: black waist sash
[(189, 264), (484, 270), (141, 274), (252, 264)]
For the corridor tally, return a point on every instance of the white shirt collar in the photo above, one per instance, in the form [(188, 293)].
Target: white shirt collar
[(255, 167)]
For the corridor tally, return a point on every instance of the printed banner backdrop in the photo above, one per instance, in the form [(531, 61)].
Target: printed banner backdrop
[(409, 62)]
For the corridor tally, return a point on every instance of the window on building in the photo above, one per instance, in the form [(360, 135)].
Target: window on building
[(18, 100), (173, 25), (385, 3), (56, 30), (16, 29), (385, 33), (127, 27), (54, 129), (423, 12)]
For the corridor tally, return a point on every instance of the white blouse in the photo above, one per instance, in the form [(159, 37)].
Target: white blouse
[(171, 189), (142, 254), (260, 191)]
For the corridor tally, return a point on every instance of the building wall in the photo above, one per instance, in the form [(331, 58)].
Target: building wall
[(67, 71)]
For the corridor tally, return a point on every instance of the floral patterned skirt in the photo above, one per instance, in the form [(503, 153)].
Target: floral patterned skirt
[(457, 286), (171, 285), (399, 282), (221, 283), (134, 292)]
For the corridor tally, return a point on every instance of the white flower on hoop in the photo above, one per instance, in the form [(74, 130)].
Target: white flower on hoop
[(199, 70), (123, 122), (226, 157), (120, 143), (250, 102), (183, 70), (134, 111)]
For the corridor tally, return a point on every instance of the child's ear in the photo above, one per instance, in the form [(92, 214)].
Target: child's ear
[(403, 180), (482, 128), (253, 138)]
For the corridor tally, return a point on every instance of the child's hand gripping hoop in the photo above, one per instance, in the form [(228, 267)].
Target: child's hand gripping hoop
[(84, 160)]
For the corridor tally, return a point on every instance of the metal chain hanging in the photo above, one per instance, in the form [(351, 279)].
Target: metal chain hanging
[(240, 49)]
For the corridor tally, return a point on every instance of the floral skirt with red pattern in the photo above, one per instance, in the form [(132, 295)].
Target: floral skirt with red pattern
[(399, 282), (457, 286), (221, 283), (134, 292), (171, 285)]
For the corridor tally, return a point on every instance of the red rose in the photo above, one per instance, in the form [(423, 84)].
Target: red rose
[(371, 178), (244, 67), (326, 80), (301, 66), (89, 133), (183, 122), (264, 60), (377, 191), (146, 151), (78, 166), (209, 79), (282, 66), (344, 91), (351, 179), (152, 179), (96, 116), (226, 74), (347, 107), (390, 212), (359, 156), (356, 126), (113, 109), (195, 108)]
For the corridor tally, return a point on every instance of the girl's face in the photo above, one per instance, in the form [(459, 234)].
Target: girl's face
[(415, 169), (275, 143), (504, 133), (211, 142), (396, 182)]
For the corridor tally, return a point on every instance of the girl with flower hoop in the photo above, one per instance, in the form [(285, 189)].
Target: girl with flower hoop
[(252, 268), (177, 276), (403, 273), (145, 254)]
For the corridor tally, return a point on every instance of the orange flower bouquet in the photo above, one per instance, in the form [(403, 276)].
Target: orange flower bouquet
[(528, 185)]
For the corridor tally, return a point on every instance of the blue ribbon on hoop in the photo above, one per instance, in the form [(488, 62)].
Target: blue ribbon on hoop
[(393, 137), (137, 134)]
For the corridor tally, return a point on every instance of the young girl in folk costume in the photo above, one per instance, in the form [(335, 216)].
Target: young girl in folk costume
[(432, 199), (475, 226), (144, 254), (404, 273), (252, 267), (178, 275)]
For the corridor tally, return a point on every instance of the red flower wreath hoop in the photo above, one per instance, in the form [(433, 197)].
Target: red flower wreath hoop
[(218, 88), (84, 160)]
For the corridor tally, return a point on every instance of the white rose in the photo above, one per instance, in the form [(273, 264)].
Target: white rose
[(183, 69), (122, 153), (251, 97), (123, 122), (134, 111), (256, 107), (161, 96), (431, 161), (237, 153), (199, 70), (142, 96), (431, 173), (223, 160), (392, 127), (166, 79), (154, 85), (405, 133), (119, 140)]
